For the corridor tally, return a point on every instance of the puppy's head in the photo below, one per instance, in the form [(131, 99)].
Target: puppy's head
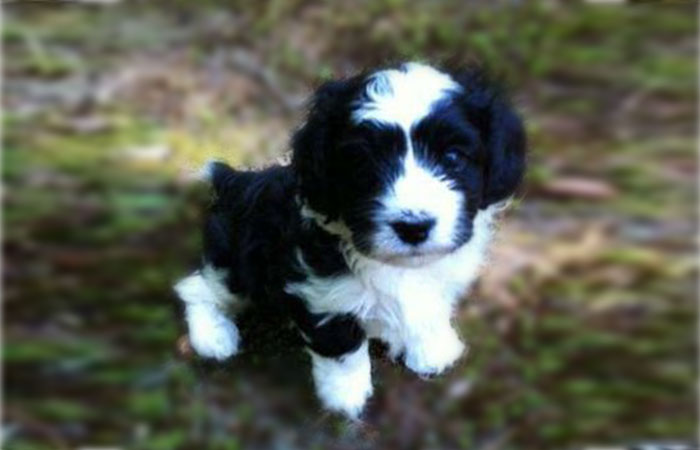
[(401, 160)]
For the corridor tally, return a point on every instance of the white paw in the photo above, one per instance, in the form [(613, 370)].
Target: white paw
[(343, 385), (349, 400), (213, 335), (434, 355), (394, 351), (394, 345)]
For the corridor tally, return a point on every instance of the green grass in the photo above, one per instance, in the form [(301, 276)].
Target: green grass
[(599, 349)]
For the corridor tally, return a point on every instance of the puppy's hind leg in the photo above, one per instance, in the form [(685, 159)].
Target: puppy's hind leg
[(206, 298)]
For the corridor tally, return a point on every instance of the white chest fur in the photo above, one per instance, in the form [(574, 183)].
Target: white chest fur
[(402, 305)]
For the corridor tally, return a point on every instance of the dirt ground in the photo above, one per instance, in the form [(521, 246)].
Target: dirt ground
[(581, 331)]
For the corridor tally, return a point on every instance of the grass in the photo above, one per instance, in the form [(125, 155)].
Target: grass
[(588, 339)]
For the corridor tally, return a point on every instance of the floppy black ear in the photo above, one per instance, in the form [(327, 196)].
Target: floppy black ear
[(502, 133), (313, 145), (506, 146)]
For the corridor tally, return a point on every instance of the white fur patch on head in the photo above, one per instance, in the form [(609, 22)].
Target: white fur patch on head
[(419, 192), (403, 96)]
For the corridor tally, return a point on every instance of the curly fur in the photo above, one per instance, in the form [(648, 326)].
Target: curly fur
[(376, 228)]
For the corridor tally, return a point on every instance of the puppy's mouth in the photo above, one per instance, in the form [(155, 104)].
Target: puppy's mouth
[(413, 257), (417, 256)]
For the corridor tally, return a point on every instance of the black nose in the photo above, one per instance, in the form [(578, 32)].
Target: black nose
[(413, 231)]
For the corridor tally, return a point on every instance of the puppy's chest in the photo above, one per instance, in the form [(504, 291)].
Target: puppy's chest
[(376, 291), (392, 295)]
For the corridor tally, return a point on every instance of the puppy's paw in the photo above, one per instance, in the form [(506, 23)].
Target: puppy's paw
[(434, 355), (213, 336), (394, 349), (349, 400), (343, 384)]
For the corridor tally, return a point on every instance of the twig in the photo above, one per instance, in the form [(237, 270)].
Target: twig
[(244, 62)]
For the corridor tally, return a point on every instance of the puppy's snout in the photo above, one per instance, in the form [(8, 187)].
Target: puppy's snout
[(413, 231)]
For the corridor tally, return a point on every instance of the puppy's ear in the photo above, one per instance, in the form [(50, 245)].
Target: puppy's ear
[(506, 145), (314, 155), (502, 132)]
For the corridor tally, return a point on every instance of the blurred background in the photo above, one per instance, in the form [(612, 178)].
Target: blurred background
[(582, 329)]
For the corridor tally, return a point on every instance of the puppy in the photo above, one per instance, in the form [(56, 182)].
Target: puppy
[(374, 230)]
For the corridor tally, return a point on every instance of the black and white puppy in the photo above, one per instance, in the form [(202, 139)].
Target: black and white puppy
[(376, 228)]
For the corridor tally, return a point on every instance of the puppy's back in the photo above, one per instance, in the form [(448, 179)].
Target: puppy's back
[(251, 226)]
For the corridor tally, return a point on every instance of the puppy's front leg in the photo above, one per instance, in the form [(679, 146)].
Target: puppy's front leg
[(343, 383), (431, 344), (340, 360), (433, 352)]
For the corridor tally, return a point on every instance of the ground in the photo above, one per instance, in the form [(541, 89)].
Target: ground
[(581, 331)]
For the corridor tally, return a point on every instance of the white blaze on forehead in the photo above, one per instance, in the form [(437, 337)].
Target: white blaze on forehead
[(403, 96), (420, 191)]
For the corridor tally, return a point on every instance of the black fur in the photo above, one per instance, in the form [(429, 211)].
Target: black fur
[(252, 230)]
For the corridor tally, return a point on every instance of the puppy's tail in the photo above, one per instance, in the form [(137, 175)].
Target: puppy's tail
[(218, 174)]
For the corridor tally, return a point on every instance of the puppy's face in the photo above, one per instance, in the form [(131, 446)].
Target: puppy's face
[(402, 160)]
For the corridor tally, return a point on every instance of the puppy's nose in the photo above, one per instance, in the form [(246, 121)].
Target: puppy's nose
[(413, 231)]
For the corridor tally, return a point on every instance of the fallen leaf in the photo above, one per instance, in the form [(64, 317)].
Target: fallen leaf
[(579, 187), (183, 347), (157, 152)]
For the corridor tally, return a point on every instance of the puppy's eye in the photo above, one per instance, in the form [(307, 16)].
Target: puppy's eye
[(455, 155)]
